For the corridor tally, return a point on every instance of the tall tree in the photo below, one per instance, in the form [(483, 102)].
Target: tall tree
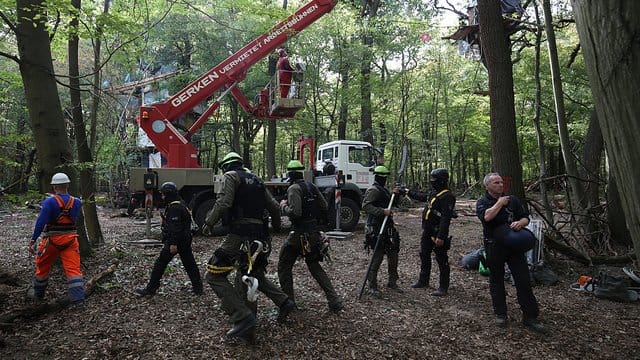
[(54, 151), (272, 132), (496, 50), (563, 129), (608, 31), (542, 148), (87, 178), (368, 13)]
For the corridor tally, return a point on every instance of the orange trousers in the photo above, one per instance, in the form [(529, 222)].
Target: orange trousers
[(66, 246)]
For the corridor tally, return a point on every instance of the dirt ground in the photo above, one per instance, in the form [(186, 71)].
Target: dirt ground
[(175, 324)]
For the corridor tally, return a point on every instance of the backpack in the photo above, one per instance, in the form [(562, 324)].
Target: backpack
[(613, 288)]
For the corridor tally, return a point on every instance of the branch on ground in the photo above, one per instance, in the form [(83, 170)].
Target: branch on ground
[(55, 305)]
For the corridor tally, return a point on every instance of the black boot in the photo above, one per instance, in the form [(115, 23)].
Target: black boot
[(243, 326), (145, 292), (394, 286), (285, 309), (439, 292), (421, 283), (197, 290)]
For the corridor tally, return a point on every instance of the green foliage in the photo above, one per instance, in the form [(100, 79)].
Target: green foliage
[(30, 197), (423, 93)]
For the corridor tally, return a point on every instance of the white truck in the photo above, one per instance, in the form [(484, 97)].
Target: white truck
[(353, 161), (350, 171)]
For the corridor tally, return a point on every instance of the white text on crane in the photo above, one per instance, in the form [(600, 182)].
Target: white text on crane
[(194, 89), (290, 23), (207, 80)]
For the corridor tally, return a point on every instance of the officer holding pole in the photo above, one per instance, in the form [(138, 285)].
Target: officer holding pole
[(381, 235)]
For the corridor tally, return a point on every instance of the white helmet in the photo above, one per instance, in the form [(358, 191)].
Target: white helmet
[(60, 178)]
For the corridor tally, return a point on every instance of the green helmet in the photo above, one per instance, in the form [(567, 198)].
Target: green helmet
[(381, 170), (230, 157), (295, 165)]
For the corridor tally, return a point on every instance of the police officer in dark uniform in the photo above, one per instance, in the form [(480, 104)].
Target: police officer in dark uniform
[(504, 219), (176, 236), (376, 205), (241, 207), (304, 206), (436, 217)]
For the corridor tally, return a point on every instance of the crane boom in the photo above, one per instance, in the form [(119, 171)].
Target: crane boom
[(157, 119)]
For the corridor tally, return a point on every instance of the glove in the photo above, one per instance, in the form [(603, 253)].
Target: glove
[(32, 247), (400, 189)]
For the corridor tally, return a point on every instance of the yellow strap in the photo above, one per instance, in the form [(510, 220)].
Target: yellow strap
[(214, 269), (426, 216)]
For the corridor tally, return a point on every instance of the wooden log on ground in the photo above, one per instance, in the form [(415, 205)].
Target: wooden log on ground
[(9, 279), (54, 305)]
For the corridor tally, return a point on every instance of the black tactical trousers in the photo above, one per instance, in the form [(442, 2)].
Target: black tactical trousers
[(497, 256), (188, 261), (442, 258)]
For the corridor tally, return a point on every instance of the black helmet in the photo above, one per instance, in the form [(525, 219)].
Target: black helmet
[(168, 188), (440, 174)]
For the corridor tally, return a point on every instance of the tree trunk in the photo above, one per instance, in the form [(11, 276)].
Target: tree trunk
[(97, 81), (270, 156), (272, 134), (87, 179), (608, 35), (618, 227), (45, 112), (536, 122), (250, 128), (20, 174), (497, 52), (592, 158), (344, 100), (369, 10), (235, 125), (563, 130)]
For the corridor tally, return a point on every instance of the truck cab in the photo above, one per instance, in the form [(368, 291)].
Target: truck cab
[(356, 160)]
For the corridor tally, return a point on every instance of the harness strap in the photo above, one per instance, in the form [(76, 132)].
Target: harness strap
[(429, 210), (251, 258), (64, 208), (215, 269), (64, 222)]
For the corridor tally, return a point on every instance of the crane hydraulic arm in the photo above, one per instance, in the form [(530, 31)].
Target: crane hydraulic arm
[(157, 119)]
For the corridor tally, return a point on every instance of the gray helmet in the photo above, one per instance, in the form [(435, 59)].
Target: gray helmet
[(168, 188)]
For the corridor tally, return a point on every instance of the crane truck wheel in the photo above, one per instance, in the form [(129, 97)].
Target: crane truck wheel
[(200, 211), (349, 215)]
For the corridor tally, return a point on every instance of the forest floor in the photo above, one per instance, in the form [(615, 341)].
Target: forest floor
[(175, 324)]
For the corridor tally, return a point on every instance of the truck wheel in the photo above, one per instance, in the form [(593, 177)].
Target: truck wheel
[(349, 215), (200, 214)]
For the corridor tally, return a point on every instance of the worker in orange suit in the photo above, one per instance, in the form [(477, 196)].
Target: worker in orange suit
[(285, 73), (57, 225)]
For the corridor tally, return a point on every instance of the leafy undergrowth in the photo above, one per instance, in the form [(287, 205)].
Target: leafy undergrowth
[(175, 324)]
